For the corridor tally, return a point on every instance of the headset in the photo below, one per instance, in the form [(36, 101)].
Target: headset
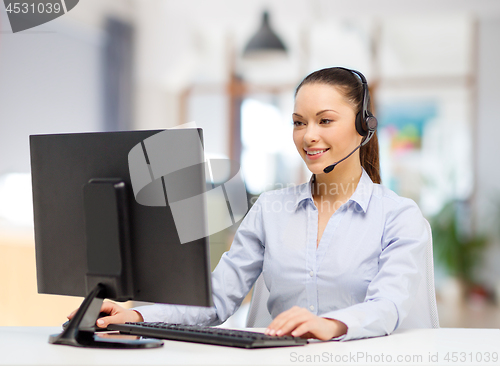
[(366, 123)]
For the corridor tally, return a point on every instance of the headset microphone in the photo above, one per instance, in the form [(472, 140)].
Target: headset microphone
[(366, 123), (329, 168)]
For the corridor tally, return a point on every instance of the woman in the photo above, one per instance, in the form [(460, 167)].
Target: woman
[(341, 255)]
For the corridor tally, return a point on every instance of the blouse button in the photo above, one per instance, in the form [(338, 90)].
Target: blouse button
[(311, 273), (311, 307)]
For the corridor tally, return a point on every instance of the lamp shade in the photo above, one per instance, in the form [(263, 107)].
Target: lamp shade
[(264, 41)]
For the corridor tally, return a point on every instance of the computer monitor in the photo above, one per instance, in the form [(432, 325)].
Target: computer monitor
[(104, 227)]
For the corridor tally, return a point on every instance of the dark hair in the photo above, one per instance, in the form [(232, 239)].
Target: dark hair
[(350, 86)]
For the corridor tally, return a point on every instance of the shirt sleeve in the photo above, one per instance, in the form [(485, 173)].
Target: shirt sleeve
[(232, 279), (401, 267)]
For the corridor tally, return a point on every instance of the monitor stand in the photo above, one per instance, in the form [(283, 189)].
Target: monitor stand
[(80, 332), (109, 272)]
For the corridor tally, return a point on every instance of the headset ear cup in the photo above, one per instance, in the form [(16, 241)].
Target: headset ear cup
[(371, 122), (361, 124)]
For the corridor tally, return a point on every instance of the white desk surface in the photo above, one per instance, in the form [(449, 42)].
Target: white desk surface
[(29, 346)]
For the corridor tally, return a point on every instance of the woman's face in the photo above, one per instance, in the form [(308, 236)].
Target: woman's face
[(324, 130)]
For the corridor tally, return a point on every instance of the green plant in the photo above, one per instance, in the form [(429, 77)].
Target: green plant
[(455, 247)]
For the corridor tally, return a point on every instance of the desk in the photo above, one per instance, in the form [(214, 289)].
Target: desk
[(28, 346)]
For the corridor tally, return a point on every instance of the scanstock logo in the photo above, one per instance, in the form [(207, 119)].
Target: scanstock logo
[(166, 169), (26, 14)]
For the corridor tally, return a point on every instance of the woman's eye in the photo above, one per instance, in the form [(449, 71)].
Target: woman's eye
[(325, 121), (297, 123)]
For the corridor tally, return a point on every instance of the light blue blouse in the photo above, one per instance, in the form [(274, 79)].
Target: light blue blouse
[(364, 271)]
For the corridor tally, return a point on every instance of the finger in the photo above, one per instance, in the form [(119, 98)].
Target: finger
[(288, 317), (70, 316), (119, 318), (293, 323), (113, 319), (105, 321), (302, 329), (110, 308), (279, 321), (315, 328)]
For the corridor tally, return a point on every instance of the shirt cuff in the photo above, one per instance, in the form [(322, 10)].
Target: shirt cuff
[(152, 313), (351, 321), (178, 314)]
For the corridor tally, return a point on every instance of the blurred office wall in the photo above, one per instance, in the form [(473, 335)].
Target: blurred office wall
[(487, 174)]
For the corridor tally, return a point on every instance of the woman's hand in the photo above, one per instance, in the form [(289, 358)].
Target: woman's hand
[(300, 322), (117, 315)]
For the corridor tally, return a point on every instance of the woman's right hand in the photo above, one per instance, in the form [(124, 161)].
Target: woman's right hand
[(117, 314)]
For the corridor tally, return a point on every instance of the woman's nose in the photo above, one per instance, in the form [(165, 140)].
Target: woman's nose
[(312, 134)]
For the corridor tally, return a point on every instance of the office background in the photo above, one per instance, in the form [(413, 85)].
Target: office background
[(145, 64)]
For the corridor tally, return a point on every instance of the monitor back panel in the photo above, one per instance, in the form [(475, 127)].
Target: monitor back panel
[(164, 270)]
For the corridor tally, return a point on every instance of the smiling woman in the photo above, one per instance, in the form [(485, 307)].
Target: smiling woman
[(342, 256)]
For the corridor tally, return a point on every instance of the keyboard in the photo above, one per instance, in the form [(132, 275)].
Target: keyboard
[(205, 334)]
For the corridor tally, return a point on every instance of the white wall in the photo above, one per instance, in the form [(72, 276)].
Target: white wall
[(49, 82), (488, 128), (487, 201)]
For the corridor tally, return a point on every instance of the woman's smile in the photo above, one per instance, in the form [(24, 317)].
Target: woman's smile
[(313, 154)]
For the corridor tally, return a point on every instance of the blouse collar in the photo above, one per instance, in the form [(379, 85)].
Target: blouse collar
[(361, 195)]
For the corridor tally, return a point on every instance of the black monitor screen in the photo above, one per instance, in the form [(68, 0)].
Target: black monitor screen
[(164, 267)]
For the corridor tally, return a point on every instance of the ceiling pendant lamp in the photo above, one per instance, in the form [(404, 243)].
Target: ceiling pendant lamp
[(265, 43)]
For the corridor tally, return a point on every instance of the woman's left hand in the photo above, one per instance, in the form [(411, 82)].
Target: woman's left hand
[(300, 322)]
